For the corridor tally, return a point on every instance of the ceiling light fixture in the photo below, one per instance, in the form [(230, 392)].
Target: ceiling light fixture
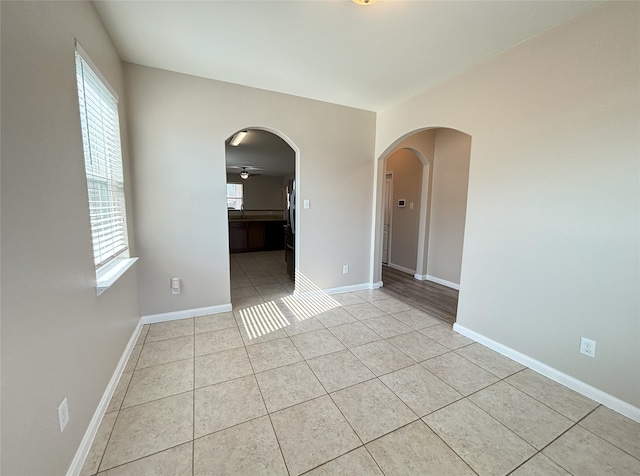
[(244, 175), (365, 2), (237, 138)]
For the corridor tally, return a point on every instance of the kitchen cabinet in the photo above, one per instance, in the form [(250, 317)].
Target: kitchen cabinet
[(256, 235)]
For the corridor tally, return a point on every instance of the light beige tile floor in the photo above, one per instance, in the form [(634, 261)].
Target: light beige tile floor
[(358, 383)]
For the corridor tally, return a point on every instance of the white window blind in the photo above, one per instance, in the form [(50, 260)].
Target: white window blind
[(103, 163), (234, 196)]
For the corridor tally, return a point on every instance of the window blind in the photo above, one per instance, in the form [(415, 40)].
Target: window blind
[(103, 164)]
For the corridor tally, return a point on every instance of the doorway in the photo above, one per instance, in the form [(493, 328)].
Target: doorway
[(444, 155), (388, 209), (262, 227)]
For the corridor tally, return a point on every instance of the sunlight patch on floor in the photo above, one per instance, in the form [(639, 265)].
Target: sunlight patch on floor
[(307, 301)]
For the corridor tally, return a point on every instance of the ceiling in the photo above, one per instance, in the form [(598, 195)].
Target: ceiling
[(368, 57), (261, 152)]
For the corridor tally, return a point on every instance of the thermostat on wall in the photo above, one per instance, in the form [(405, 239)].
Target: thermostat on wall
[(402, 203)]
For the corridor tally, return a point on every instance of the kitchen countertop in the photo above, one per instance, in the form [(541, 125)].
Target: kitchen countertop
[(256, 218)]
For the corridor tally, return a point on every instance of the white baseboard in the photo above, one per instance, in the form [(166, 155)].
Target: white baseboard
[(433, 279), (401, 268), (579, 386), (377, 285), (351, 288), (185, 314), (94, 424)]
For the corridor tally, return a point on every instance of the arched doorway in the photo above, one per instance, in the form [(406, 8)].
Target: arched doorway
[(263, 225), (434, 250)]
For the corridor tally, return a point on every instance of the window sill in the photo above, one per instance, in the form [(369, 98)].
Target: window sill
[(109, 274)]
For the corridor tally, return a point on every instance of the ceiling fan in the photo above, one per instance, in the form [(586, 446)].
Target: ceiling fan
[(245, 174)]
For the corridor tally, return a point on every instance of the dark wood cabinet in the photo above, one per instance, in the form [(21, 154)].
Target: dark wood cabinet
[(237, 236), (256, 235)]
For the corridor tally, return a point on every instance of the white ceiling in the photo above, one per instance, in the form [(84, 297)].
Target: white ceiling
[(331, 50)]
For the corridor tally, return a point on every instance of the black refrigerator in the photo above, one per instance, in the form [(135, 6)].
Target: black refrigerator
[(290, 230)]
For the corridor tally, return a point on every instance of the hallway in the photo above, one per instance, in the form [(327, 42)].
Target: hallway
[(435, 299), (370, 386)]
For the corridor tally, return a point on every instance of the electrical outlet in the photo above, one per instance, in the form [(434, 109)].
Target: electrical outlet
[(175, 285), (63, 414), (345, 269), (587, 347)]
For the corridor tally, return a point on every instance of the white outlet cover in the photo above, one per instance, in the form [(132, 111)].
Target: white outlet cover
[(587, 347), (63, 414)]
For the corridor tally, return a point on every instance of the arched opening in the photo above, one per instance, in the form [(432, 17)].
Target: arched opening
[(263, 225), (429, 171)]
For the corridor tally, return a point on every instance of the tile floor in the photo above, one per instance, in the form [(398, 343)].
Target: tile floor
[(370, 386)]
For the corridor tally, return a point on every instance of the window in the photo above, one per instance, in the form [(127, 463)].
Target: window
[(234, 196), (103, 166)]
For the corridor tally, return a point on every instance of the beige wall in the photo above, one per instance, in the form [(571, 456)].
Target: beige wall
[(58, 338), (407, 183), (450, 179), (179, 124), (261, 192), (552, 232)]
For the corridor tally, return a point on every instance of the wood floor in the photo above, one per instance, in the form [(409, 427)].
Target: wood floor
[(435, 299)]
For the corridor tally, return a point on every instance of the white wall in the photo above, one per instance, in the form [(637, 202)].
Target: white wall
[(178, 126), (450, 180), (407, 183), (58, 338), (551, 249)]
